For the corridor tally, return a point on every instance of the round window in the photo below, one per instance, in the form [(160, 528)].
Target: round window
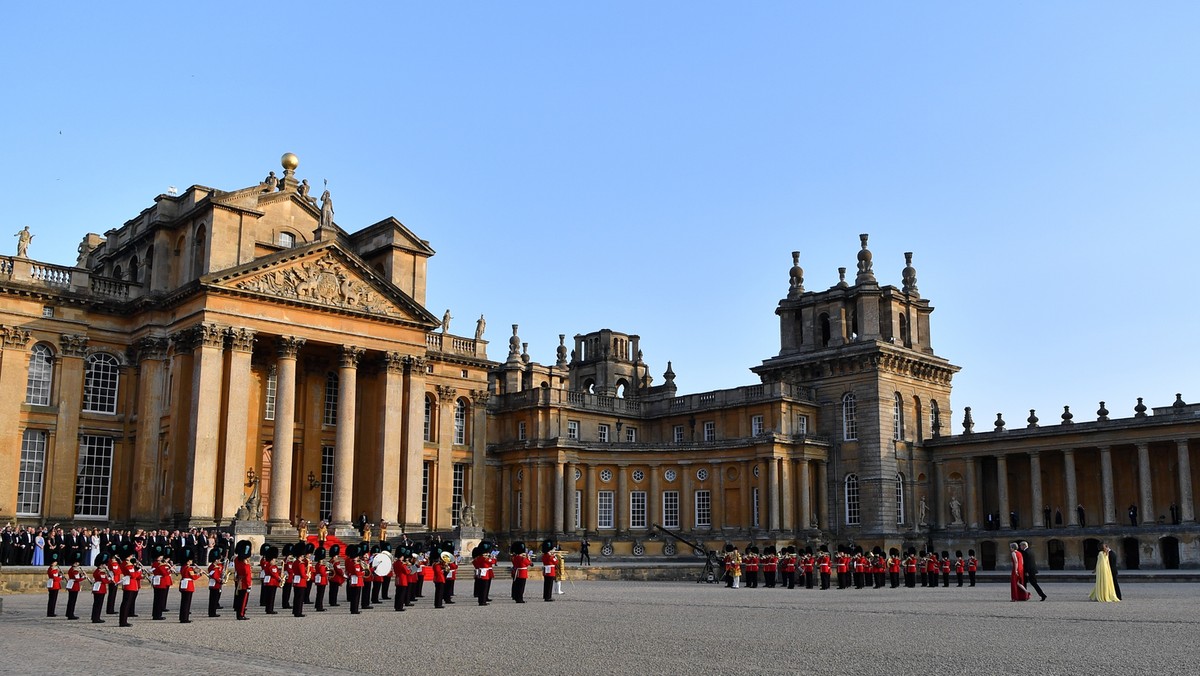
[(579, 474), (520, 475), (701, 474), (669, 475), (638, 475), (757, 469), (606, 475)]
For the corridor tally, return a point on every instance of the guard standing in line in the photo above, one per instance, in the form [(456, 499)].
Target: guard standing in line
[(244, 579), (99, 587), (959, 566), (320, 578), (400, 572), (301, 574), (216, 577), (520, 570), (549, 565), (131, 576), (289, 559), (115, 573), (945, 569), (75, 579), (825, 566), (354, 583), (54, 579), (271, 580), (972, 565), (188, 574), (751, 565), (337, 574)]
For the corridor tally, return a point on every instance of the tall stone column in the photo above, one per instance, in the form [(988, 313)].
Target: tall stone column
[(1072, 492), (823, 494), (805, 495), (1145, 485), (972, 490), (414, 440), (62, 461), (621, 501), (391, 440), (237, 422), (341, 511), (1187, 513), (205, 424), (590, 523), (939, 495), (560, 490), (1002, 491), (448, 401), (1106, 486), (14, 374), (279, 518), (772, 494), (1035, 488), (569, 489), (477, 438), (787, 508)]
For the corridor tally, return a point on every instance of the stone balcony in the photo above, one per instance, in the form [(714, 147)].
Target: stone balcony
[(30, 273)]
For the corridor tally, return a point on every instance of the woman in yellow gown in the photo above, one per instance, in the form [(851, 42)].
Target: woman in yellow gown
[(1104, 590)]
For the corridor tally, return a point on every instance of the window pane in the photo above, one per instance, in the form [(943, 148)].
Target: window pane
[(31, 473), (41, 371), (637, 509), (671, 509), (100, 384), (604, 509), (92, 481)]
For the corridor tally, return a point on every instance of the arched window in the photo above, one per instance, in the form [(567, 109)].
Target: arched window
[(621, 385), (118, 273), (134, 269), (935, 418), (904, 339), (823, 320), (177, 268), (429, 407), (100, 379), (918, 419), (41, 375), (853, 516), (460, 421), (198, 247), (849, 417), (287, 240), (899, 498), (898, 417), (589, 386)]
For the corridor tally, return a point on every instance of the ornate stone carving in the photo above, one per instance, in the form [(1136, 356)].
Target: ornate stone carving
[(73, 345), (14, 337), (210, 335), (147, 349), (415, 364), (326, 282), (288, 346), (393, 362), (350, 356), (241, 340), (446, 394), (480, 397)]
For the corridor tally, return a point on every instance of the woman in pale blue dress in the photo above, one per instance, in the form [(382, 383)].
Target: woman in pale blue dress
[(39, 548), (94, 546)]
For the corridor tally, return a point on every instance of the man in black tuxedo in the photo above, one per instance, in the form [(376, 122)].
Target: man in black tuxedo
[(1031, 569), (1112, 566)]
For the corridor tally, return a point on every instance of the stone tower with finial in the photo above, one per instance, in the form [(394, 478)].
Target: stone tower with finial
[(864, 350)]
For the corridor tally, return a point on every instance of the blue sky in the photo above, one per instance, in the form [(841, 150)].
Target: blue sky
[(649, 167)]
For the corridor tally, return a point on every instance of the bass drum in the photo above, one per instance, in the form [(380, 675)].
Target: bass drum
[(381, 563)]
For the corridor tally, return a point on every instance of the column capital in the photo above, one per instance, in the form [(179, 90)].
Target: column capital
[(349, 356), (1181, 442), (414, 363), (288, 346), (144, 349), (1034, 454), (241, 339), (446, 394), (393, 362), (480, 397), (14, 338), (73, 345)]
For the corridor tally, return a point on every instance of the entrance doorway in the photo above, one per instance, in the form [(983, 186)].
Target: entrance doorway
[(1132, 555), (1091, 547), (1170, 552), (987, 555), (1056, 554)]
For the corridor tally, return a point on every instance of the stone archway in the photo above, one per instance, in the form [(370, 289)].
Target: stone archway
[(1131, 549)]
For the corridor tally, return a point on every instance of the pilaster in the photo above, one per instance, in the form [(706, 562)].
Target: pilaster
[(237, 422)]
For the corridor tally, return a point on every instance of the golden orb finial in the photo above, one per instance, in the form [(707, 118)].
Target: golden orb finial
[(290, 161)]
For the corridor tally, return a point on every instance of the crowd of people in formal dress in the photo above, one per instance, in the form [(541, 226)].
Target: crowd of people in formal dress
[(35, 546)]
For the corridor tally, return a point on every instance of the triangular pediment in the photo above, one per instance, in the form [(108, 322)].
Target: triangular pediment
[(325, 275)]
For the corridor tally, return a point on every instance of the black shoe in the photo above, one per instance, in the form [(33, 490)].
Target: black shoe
[(185, 622), (97, 621), (72, 617), (243, 618), (450, 602), (270, 612), (320, 610), (157, 618), (125, 625), (214, 615), (1043, 598)]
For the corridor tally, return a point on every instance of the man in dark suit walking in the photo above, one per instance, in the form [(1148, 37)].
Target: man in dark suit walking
[(1112, 566), (1031, 569)]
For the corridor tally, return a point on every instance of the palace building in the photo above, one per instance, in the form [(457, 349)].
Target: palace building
[(226, 356)]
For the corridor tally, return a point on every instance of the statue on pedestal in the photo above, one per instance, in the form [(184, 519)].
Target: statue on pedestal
[(24, 237)]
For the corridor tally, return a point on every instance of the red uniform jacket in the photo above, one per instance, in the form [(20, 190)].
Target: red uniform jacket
[(300, 574), (243, 574), (163, 572), (354, 570), (338, 574), (549, 563), (270, 573), (215, 573), (132, 579), (54, 578), (483, 567), (115, 573), (321, 575), (99, 580), (187, 578), (521, 565), (75, 578), (400, 572)]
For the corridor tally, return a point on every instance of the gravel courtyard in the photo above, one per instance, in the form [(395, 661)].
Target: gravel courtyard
[(640, 627)]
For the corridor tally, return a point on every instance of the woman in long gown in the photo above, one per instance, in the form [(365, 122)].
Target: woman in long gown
[(1104, 589), (39, 549), (1017, 579)]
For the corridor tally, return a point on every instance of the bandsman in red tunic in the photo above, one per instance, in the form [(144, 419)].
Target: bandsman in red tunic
[(894, 564), (160, 583), (320, 578), (770, 565), (131, 577), (549, 566), (115, 573), (337, 574), (100, 581), (243, 579), (354, 577), (301, 575), (809, 565), (945, 564), (789, 566), (825, 566), (75, 579), (751, 565), (483, 572), (271, 578), (216, 579), (400, 572), (286, 573), (520, 570), (188, 574), (959, 566), (843, 568), (972, 565), (54, 580), (910, 569)]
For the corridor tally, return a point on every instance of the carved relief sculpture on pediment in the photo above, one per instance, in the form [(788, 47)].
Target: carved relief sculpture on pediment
[(326, 282)]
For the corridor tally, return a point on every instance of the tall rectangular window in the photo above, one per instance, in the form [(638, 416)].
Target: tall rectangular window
[(31, 473), (677, 434), (428, 418), (703, 509), (754, 508), (101, 376), (578, 510), (637, 509), (269, 399), (670, 511), (94, 477), (460, 422), (602, 433), (802, 424), (573, 429), (456, 493), (521, 431), (710, 431), (604, 509), (41, 375), (631, 434), (331, 399), (326, 508), (756, 425), (425, 493)]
